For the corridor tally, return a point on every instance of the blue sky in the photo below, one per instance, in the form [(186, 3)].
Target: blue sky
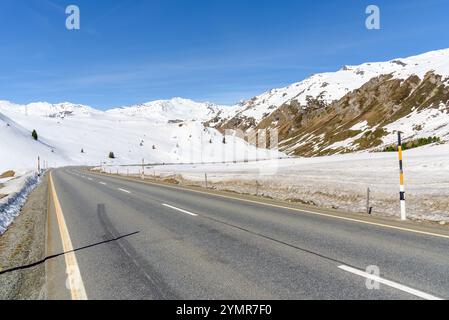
[(132, 51)]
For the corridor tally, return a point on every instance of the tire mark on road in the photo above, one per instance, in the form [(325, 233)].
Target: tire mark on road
[(155, 282)]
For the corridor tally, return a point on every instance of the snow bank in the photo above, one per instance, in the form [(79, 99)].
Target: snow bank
[(17, 190), (338, 181)]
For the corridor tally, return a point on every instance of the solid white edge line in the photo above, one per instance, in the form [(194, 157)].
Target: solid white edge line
[(377, 224), (75, 280), (180, 210), (389, 283), (123, 190), (314, 213)]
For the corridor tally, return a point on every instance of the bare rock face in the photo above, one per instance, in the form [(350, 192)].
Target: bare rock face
[(355, 122), (355, 108)]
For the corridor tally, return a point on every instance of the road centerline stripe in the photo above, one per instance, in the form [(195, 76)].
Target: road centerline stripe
[(124, 190), (355, 220), (377, 224), (75, 281), (389, 283), (103, 183), (180, 210)]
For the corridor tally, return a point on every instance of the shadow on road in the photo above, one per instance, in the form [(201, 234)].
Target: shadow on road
[(28, 266)]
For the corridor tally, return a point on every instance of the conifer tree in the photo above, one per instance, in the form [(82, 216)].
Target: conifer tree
[(34, 135)]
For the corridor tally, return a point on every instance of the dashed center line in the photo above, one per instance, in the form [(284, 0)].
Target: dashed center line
[(389, 283), (90, 179), (103, 183), (124, 190), (180, 210)]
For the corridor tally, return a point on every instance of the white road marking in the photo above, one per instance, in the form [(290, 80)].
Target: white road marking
[(389, 283), (123, 190), (383, 225), (313, 212), (180, 210), (74, 279), (90, 179), (103, 183)]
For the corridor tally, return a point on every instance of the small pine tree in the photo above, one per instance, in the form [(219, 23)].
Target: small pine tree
[(210, 141), (224, 140), (34, 135), (154, 147), (82, 150), (111, 155)]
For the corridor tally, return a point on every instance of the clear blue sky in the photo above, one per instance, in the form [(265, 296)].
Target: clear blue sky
[(132, 51)]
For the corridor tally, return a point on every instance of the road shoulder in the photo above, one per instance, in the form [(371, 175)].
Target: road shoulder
[(24, 244)]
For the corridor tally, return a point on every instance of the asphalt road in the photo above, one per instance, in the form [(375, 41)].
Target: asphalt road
[(135, 240)]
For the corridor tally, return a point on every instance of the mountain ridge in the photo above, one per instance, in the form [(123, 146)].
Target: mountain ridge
[(307, 113), (357, 108)]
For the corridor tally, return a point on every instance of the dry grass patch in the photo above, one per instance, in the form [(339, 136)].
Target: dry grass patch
[(171, 181), (7, 174)]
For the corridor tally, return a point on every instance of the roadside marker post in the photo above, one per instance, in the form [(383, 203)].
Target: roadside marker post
[(401, 179), (369, 209), (143, 169), (205, 179)]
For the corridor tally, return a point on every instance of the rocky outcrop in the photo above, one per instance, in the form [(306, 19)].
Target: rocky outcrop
[(358, 121)]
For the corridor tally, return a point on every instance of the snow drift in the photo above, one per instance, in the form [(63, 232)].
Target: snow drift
[(17, 189)]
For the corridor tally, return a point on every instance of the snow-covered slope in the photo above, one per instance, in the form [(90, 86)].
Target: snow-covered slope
[(59, 110), (163, 131), (355, 108), (18, 149), (332, 86), (337, 181), (174, 110)]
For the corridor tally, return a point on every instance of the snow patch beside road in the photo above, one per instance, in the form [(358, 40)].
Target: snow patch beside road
[(338, 181), (16, 191)]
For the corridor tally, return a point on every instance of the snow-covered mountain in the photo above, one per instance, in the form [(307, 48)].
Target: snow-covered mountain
[(59, 110), (69, 134), (174, 110), (355, 108)]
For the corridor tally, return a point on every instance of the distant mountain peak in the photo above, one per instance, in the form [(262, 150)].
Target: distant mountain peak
[(169, 110)]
